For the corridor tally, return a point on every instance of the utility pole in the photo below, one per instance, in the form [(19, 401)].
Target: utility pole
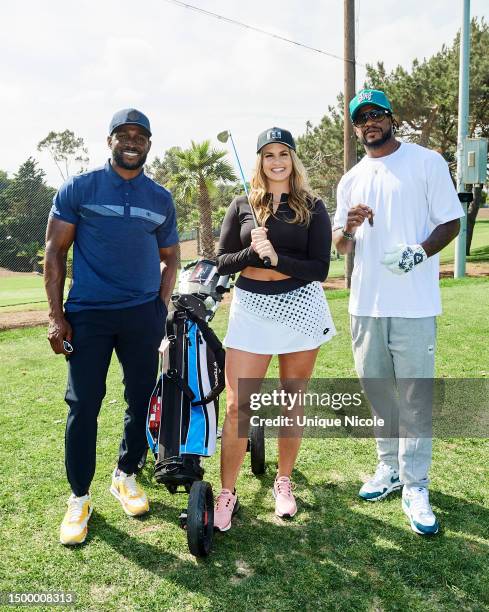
[(349, 143), (463, 120)]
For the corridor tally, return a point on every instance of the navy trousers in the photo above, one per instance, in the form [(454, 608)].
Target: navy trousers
[(135, 335)]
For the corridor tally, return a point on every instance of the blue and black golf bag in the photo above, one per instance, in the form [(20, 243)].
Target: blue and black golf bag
[(184, 407)]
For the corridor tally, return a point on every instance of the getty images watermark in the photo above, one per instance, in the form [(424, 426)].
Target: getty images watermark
[(345, 407), (290, 401)]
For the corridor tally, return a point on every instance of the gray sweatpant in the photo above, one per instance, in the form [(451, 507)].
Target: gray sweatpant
[(394, 348)]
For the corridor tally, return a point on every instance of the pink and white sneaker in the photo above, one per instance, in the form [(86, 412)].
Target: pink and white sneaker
[(285, 505), (225, 508)]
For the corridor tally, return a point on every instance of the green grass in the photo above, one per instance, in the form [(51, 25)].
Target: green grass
[(479, 254), (479, 239), (22, 290), (336, 267), (337, 554)]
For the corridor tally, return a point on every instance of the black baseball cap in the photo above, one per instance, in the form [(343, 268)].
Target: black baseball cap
[(275, 134), (129, 116)]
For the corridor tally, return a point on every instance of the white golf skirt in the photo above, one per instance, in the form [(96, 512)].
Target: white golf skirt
[(282, 320)]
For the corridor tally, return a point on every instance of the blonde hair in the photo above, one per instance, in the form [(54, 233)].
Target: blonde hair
[(301, 197)]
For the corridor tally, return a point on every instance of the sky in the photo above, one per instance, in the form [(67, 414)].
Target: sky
[(67, 65)]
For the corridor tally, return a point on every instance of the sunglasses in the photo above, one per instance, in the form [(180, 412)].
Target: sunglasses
[(375, 115)]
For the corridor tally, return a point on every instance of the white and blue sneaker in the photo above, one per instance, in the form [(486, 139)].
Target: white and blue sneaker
[(384, 481), (416, 505)]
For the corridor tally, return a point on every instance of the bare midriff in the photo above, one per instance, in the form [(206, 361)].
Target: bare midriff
[(262, 274)]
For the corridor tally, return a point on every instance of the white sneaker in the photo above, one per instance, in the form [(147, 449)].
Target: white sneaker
[(416, 505), (384, 481)]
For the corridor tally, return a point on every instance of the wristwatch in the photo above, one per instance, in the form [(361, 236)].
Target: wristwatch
[(346, 235)]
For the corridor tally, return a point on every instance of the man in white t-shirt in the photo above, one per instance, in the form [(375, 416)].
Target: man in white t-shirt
[(399, 207)]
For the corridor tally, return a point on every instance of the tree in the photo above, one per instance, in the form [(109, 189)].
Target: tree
[(199, 169), (65, 149), (163, 171), (4, 180), (321, 151), (221, 196), (24, 206)]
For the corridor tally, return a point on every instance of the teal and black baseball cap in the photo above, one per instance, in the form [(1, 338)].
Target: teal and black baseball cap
[(275, 134), (129, 116), (369, 96)]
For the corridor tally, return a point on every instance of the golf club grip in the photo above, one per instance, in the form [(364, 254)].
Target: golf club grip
[(266, 260)]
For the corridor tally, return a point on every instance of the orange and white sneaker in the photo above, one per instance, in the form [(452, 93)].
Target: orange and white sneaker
[(225, 508), (125, 488), (74, 528), (285, 505)]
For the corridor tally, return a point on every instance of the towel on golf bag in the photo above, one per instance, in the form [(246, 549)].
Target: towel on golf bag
[(183, 412)]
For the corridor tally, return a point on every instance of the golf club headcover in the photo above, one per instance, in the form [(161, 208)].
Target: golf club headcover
[(404, 257)]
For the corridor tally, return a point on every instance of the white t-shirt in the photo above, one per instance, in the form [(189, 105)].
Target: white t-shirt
[(410, 192)]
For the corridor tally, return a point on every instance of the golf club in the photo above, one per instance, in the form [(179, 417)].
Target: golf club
[(224, 137)]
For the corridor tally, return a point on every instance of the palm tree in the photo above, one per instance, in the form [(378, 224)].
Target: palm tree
[(199, 168)]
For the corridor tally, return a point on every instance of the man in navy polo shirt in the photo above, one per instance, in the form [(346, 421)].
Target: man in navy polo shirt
[(122, 227)]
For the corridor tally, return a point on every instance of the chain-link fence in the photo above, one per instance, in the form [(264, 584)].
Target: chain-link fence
[(25, 201)]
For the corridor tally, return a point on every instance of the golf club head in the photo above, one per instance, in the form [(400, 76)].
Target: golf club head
[(223, 136)]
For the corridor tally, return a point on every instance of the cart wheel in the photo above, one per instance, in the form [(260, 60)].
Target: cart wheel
[(142, 461), (257, 449), (200, 518)]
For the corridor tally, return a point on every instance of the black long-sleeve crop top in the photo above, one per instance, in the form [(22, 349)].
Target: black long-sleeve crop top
[(303, 251)]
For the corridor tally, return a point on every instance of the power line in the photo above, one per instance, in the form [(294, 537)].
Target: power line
[(255, 29)]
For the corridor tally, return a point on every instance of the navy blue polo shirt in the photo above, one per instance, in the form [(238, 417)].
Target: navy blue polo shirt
[(120, 225)]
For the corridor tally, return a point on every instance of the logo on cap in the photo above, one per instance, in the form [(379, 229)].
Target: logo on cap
[(271, 134), (365, 95), (133, 115)]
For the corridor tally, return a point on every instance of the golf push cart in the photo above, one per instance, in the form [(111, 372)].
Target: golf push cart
[(182, 420)]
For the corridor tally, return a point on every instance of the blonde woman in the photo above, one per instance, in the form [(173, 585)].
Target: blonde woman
[(276, 310)]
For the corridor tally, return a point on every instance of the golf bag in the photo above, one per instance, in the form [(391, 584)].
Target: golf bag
[(183, 410)]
